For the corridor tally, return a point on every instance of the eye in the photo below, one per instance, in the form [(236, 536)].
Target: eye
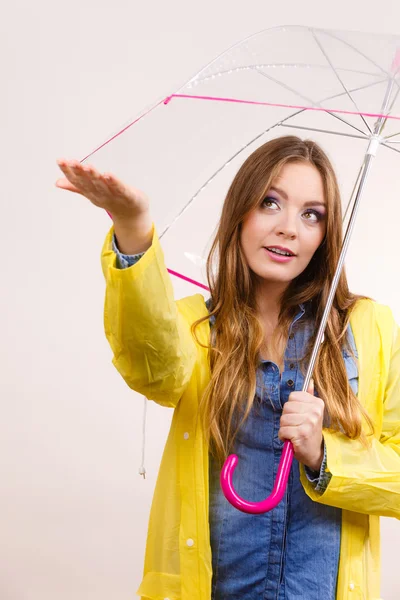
[(313, 212), (318, 216), (269, 200)]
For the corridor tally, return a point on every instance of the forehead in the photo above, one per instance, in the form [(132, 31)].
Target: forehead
[(300, 181)]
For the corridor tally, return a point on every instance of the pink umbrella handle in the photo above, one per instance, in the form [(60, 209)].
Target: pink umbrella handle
[(277, 493)]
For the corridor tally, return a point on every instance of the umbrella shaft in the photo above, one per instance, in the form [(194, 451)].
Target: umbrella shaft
[(370, 154)]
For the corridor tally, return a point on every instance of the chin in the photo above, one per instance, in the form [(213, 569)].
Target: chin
[(271, 276)]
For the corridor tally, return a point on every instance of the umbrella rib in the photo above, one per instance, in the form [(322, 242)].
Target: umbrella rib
[(330, 98), (253, 67), (347, 123), (277, 28), (391, 106), (362, 87), (315, 102), (287, 87), (367, 58), (358, 137), (224, 165), (390, 110), (390, 147), (331, 34), (340, 80)]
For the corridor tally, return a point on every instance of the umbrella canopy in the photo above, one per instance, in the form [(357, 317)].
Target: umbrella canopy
[(331, 86), (339, 88)]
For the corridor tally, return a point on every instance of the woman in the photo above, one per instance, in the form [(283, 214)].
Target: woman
[(229, 366)]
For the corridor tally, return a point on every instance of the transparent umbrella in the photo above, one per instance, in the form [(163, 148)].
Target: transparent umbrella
[(341, 88)]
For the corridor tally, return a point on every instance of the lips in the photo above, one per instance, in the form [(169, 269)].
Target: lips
[(278, 258), (291, 253)]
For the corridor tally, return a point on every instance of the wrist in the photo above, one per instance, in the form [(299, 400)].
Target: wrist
[(316, 465), (134, 235)]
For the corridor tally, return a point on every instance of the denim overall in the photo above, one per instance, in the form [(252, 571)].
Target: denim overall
[(292, 552)]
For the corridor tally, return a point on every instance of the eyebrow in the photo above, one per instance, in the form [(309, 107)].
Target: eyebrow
[(307, 203)]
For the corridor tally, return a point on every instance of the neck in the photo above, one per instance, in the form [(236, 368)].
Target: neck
[(268, 300)]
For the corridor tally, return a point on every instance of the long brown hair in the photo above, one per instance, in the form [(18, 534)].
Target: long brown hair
[(237, 334)]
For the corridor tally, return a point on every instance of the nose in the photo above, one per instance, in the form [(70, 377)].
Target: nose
[(287, 226)]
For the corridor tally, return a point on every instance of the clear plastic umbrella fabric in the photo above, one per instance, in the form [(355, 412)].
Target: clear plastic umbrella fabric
[(338, 88), (183, 150)]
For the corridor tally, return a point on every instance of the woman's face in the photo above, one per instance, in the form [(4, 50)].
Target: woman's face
[(293, 216)]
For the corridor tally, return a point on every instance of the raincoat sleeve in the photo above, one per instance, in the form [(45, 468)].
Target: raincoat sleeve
[(366, 480), (148, 333)]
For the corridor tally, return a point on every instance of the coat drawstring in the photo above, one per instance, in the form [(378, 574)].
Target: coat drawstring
[(142, 470)]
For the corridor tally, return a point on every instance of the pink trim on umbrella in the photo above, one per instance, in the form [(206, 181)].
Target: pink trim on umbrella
[(295, 106)]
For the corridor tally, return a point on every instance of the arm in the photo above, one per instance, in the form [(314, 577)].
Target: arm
[(367, 480), (149, 335)]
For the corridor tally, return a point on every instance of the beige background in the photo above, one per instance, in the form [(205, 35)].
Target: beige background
[(73, 509)]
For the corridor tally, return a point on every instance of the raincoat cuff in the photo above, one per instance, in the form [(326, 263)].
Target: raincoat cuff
[(110, 260), (320, 480)]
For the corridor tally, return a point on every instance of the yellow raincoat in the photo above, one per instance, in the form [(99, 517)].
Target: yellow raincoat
[(149, 333)]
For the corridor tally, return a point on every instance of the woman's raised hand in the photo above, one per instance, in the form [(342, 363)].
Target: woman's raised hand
[(125, 203), (128, 206)]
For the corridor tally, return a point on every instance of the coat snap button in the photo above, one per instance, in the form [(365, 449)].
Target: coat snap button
[(351, 587), (186, 435), (290, 382), (190, 542), (291, 336)]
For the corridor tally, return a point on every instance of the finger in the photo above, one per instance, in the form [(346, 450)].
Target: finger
[(100, 183), (64, 184), (291, 420), (296, 407), (84, 177), (295, 434), (296, 419), (304, 396), (301, 397), (86, 180), (95, 179), (89, 171), (71, 171), (64, 167), (311, 405), (288, 433)]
